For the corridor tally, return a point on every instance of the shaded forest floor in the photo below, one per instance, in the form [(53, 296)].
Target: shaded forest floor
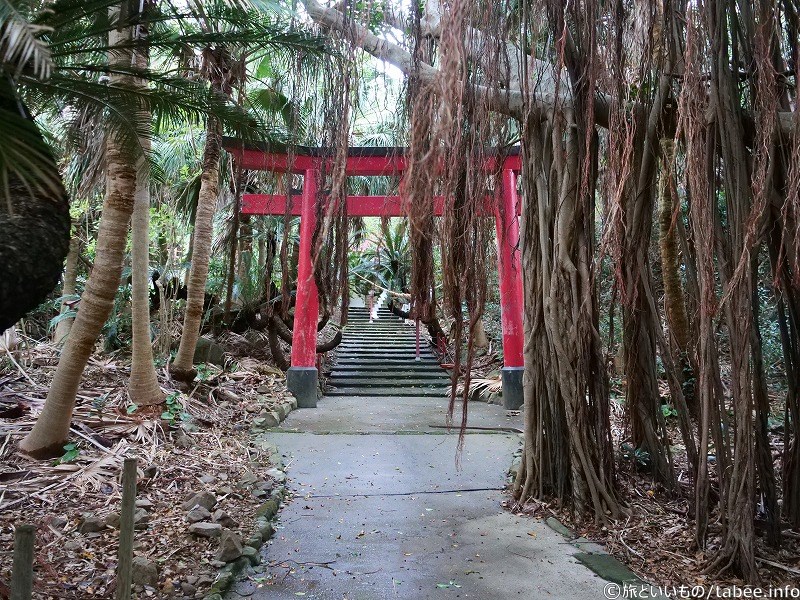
[(199, 441), (656, 540)]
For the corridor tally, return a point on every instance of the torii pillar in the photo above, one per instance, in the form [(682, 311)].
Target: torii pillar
[(511, 298), (302, 377)]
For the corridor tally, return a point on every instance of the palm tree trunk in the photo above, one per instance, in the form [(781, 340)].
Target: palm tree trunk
[(143, 388), (64, 326), (52, 427), (182, 368)]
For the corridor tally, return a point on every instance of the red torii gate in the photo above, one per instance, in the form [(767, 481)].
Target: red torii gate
[(302, 376)]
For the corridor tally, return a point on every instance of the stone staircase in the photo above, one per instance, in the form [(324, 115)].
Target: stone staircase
[(379, 359)]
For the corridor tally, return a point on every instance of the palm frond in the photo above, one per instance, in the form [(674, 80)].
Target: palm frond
[(20, 45)]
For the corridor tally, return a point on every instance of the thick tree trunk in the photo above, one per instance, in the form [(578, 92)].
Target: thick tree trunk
[(52, 427), (182, 368), (567, 433), (64, 326)]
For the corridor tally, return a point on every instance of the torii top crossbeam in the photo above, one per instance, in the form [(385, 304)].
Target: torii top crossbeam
[(362, 160)]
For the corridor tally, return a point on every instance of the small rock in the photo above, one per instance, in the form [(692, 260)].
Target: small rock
[(230, 546), (267, 509), (263, 389), (266, 529), (144, 571), (226, 490), (73, 545), (252, 407), (188, 589), (265, 420), (150, 471), (59, 522), (144, 503), (252, 555), (207, 479), (208, 530), (192, 579), (276, 474), (92, 524), (140, 518), (183, 440), (112, 520), (205, 499), (217, 564), (208, 351), (266, 486), (224, 519), (256, 540), (248, 479), (198, 513)]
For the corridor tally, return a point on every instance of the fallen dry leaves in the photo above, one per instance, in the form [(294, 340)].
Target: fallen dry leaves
[(206, 449)]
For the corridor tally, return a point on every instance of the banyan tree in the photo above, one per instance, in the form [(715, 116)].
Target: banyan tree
[(660, 150)]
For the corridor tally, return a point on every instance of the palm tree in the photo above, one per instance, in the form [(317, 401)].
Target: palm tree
[(97, 301), (216, 63), (74, 33), (143, 388), (224, 72)]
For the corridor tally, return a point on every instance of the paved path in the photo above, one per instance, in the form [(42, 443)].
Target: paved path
[(380, 510)]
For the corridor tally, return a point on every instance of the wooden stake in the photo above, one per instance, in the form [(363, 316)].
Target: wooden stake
[(22, 570), (125, 555)]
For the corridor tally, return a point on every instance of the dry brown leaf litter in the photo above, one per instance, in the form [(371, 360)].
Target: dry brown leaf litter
[(211, 451)]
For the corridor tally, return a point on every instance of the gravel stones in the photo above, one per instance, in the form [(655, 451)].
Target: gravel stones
[(91, 524), (197, 514), (144, 571), (207, 530), (224, 519), (205, 499), (230, 546)]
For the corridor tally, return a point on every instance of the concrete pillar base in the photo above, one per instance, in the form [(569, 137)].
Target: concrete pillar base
[(513, 396), (302, 383)]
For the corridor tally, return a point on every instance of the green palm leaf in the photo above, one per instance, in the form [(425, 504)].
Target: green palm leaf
[(20, 44)]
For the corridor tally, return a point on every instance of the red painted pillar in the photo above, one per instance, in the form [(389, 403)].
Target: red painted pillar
[(511, 296), (302, 376)]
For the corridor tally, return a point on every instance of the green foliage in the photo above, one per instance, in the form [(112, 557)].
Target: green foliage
[(71, 452), (668, 411), (386, 261), (175, 412), (638, 456), (116, 331)]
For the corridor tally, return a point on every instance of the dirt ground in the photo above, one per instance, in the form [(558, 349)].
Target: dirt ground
[(199, 441)]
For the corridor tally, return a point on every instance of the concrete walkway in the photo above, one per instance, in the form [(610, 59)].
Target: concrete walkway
[(380, 510)]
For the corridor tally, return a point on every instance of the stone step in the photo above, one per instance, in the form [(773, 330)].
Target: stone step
[(377, 326), (388, 344), (390, 382), (367, 326), (410, 392), (384, 355), (390, 348), (405, 374), (415, 367), (384, 339), (394, 362)]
